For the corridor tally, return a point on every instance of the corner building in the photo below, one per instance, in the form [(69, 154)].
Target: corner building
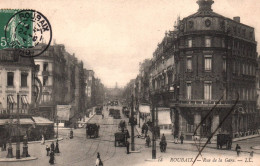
[(216, 60)]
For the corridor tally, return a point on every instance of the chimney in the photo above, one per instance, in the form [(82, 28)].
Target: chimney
[(237, 19)]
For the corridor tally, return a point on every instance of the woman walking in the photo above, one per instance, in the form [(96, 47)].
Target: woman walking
[(98, 160)]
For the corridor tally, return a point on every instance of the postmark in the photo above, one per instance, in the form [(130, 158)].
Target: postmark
[(29, 32)]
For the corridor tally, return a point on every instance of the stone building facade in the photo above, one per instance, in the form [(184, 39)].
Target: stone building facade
[(16, 78), (202, 70)]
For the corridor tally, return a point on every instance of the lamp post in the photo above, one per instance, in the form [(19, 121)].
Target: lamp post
[(18, 129), (153, 131), (132, 125)]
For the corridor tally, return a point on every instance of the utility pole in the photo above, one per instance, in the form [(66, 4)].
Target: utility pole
[(132, 125), (153, 131), (18, 129), (10, 149)]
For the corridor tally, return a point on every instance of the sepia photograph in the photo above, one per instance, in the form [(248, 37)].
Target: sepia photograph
[(129, 83)]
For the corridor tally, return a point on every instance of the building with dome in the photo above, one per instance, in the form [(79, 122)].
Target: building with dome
[(204, 72)]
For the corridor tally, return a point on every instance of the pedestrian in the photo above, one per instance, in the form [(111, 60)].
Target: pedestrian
[(71, 134), (176, 139), (163, 139), (148, 140), (102, 116), (181, 138), (43, 140), (251, 153), (48, 150), (52, 146), (51, 161), (98, 160), (57, 150), (127, 147), (238, 149)]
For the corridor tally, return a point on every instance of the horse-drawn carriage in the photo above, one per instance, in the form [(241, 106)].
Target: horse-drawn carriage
[(121, 138), (224, 139), (92, 130)]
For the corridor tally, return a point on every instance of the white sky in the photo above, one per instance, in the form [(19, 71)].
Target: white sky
[(113, 36)]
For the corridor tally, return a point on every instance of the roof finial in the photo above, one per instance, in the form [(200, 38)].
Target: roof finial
[(205, 5)]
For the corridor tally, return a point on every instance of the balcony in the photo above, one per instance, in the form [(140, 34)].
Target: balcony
[(203, 103)]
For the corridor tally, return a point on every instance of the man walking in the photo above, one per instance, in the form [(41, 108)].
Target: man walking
[(148, 140), (51, 161), (57, 150), (52, 146), (238, 149), (181, 138), (48, 150), (127, 147)]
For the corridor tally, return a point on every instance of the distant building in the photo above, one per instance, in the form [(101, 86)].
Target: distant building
[(51, 73)]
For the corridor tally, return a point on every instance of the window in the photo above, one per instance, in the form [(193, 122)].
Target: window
[(223, 43), (207, 42), (45, 66), (189, 64), (188, 89), (234, 66), (10, 79), (207, 90), (189, 42), (207, 60), (224, 64), (45, 80), (24, 79)]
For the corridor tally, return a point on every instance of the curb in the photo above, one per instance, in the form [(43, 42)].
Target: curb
[(17, 160), (135, 151), (33, 142), (212, 142)]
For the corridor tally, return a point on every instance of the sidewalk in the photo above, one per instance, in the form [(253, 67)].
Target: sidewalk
[(170, 138)]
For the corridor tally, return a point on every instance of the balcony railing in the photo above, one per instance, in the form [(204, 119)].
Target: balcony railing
[(203, 102)]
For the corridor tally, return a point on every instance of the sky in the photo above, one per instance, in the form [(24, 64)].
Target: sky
[(111, 37)]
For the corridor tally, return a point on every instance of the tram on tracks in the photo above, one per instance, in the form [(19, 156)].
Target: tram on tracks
[(92, 130)]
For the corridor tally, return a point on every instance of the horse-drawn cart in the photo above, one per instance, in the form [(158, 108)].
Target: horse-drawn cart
[(121, 138)]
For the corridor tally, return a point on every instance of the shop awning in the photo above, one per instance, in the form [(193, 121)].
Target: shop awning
[(25, 121), (10, 99), (164, 117), (144, 109), (24, 100), (42, 121)]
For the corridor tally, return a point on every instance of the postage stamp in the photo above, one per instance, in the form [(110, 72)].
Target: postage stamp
[(27, 31)]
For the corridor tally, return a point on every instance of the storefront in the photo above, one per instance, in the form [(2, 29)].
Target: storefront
[(44, 127), (164, 120)]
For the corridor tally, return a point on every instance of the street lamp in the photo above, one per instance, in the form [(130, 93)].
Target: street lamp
[(18, 129)]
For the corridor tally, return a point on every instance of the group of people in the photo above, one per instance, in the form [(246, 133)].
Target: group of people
[(52, 150)]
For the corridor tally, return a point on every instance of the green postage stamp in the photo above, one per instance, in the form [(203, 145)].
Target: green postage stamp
[(27, 31)]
